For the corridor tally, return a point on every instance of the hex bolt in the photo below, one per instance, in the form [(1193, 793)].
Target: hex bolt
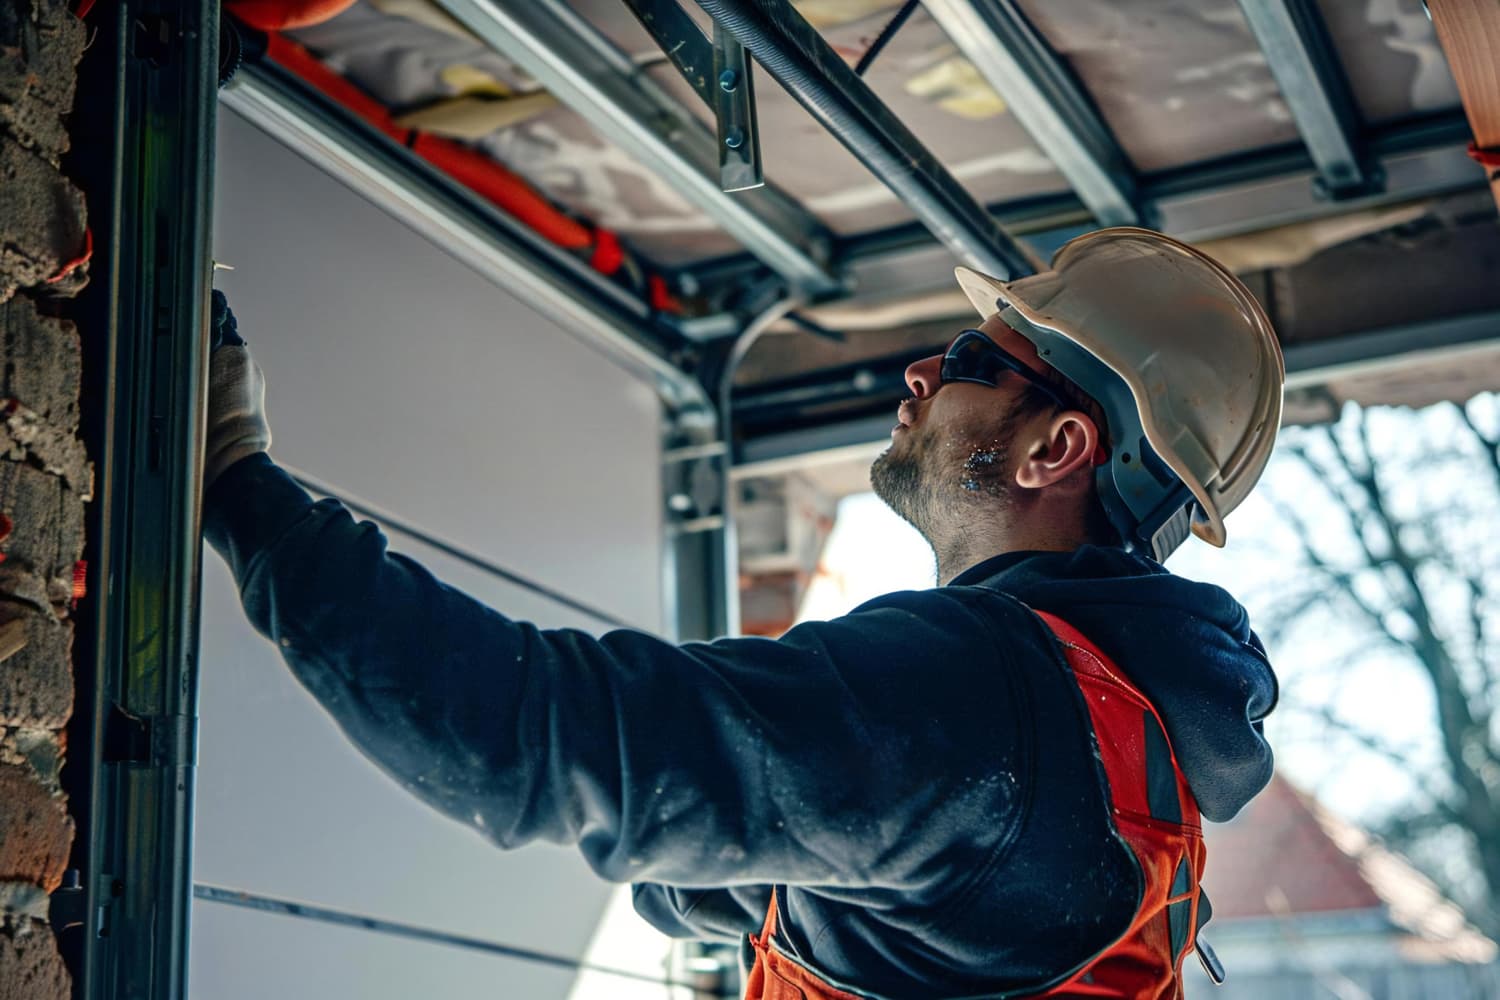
[(734, 139), (728, 80)]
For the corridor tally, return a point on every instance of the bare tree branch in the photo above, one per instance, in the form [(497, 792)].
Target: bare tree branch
[(1344, 581), (1279, 617), (1479, 629), (1457, 724), (1400, 757), (1491, 445), (1407, 828), (1407, 539)]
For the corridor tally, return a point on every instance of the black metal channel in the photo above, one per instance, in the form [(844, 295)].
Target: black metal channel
[(849, 392), (798, 58), (1434, 130), (856, 404), (155, 80), (1041, 215)]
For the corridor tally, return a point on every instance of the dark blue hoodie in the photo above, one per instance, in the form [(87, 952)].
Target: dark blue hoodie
[(916, 776)]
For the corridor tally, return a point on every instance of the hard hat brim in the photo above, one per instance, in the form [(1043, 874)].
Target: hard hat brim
[(990, 295)]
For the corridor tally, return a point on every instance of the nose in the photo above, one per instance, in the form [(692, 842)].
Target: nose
[(924, 377)]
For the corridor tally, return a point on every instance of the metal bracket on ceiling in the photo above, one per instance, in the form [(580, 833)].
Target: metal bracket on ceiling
[(739, 136), (718, 70), (1302, 59)]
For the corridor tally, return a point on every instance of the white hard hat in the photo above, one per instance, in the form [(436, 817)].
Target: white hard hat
[(1181, 357)]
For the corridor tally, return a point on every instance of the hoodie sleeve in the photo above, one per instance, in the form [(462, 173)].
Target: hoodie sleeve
[(846, 753), (725, 915)]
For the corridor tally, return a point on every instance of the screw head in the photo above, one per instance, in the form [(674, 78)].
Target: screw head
[(728, 80), (735, 139)]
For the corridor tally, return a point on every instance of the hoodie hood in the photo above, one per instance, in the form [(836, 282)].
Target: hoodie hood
[(1187, 645)]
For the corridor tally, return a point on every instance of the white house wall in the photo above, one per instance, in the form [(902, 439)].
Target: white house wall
[(401, 376)]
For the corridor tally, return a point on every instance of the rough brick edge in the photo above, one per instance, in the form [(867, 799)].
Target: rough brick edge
[(43, 479)]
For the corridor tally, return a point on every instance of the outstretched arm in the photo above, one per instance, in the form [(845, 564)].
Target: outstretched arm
[(811, 759)]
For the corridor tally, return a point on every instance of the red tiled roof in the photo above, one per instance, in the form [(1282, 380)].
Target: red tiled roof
[(1275, 858), (1287, 856)]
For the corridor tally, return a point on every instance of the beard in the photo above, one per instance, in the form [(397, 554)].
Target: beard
[(934, 490), (899, 482)]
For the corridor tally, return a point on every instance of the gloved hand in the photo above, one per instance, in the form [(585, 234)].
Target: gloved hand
[(237, 424)]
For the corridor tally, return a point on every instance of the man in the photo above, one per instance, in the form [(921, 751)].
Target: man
[(988, 788)]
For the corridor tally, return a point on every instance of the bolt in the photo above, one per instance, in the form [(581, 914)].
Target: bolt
[(728, 80), (735, 139)]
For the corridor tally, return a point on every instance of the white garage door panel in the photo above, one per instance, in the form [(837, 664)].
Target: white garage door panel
[(398, 373), (288, 808), (240, 954)]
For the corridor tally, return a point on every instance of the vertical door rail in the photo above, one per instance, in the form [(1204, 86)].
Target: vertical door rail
[(158, 67)]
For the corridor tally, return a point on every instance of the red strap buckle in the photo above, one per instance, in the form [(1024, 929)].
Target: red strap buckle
[(1489, 159)]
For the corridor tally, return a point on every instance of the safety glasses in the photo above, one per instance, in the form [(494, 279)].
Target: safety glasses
[(974, 357)]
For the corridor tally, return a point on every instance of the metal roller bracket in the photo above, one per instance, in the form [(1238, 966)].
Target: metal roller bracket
[(734, 106), (719, 73)]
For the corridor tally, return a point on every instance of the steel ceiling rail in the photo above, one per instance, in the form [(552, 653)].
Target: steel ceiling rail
[(797, 57), (1301, 57), (584, 70), (1046, 99), (605, 317), (1230, 197)]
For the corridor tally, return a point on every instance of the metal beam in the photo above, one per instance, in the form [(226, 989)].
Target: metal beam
[(1373, 351), (1046, 99), (1301, 57), (569, 57), (603, 315), (1232, 197), (794, 54), (1203, 210)]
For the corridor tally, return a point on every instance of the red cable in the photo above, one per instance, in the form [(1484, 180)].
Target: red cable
[(474, 170), (660, 296), (608, 256), (76, 262), (289, 55), (496, 184)]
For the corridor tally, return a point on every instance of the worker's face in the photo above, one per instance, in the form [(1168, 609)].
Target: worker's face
[(950, 448)]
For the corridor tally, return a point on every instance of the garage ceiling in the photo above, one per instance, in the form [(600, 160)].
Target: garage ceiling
[(1317, 147)]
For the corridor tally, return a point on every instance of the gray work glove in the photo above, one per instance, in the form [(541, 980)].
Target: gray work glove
[(237, 425)]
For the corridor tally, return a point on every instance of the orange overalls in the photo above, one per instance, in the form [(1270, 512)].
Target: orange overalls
[(1154, 813)]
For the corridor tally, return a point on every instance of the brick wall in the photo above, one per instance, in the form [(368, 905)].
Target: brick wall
[(44, 479)]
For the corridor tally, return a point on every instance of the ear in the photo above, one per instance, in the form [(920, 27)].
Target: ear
[(1068, 442)]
